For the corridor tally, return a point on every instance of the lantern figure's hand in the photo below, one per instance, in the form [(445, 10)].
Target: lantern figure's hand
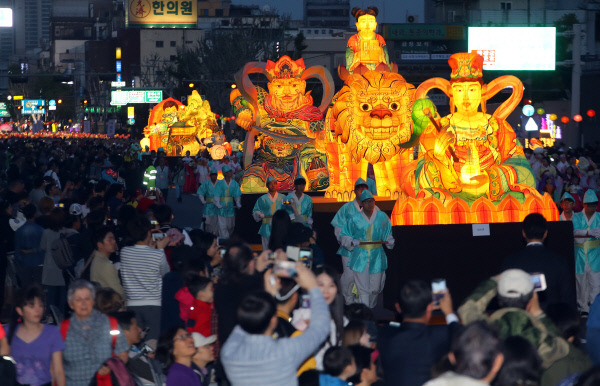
[(442, 143), (244, 119)]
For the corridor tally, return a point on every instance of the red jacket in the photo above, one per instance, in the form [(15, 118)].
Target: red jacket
[(186, 302), (202, 315)]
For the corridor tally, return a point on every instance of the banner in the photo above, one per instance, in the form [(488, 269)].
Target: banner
[(110, 130), (162, 13)]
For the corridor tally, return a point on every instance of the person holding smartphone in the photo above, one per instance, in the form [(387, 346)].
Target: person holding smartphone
[(409, 350), (365, 235), (142, 267)]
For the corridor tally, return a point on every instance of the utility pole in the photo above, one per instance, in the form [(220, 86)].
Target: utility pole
[(576, 78)]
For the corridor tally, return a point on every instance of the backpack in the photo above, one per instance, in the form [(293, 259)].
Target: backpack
[(118, 372), (114, 326), (61, 252)]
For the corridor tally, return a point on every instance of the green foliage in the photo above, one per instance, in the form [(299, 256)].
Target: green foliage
[(566, 22), (299, 46), (212, 64)]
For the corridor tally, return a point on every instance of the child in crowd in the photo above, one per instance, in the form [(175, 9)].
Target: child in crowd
[(201, 312), (339, 365)]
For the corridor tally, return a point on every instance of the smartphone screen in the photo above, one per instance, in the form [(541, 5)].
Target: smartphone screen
[(158, 236), (285, 269), (293, 253), (306, 256), (438, 288), (539, 281)]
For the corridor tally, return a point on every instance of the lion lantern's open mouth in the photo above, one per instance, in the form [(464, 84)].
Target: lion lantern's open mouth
[(382, 125), (373, 115)]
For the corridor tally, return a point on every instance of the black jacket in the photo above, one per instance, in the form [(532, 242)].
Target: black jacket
[(538, 258), (408, 352)]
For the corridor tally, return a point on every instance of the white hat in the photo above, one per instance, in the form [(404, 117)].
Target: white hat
[(75, 209), (200, 340), (514, 283)]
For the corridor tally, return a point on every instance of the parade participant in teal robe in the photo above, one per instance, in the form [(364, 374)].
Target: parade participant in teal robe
[(299, 205), (342, 216), (364, 235), (265, 207), (586, 229), (227, 197), (206, 193), (566, 203)]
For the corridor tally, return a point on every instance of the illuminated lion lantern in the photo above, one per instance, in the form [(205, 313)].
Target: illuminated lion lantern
[(370, 123)]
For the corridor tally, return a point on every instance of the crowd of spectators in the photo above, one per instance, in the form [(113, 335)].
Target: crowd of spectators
[(561, 169), (103, 289)]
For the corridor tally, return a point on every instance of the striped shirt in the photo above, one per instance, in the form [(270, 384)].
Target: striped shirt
[(142, 269)]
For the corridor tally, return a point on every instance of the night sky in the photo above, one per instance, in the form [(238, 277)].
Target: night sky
[(390, 11)]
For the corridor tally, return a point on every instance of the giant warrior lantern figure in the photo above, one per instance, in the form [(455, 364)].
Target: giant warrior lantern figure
[(283, 124)]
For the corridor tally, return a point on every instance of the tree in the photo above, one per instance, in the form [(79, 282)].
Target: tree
[(299, 46), (212, 64)]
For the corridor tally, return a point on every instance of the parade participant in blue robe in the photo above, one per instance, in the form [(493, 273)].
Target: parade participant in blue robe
[(566, 203), (206, 193), (364, 236), (265, 206), (586, 229), (341, 217), (298, 204), (227, 198)]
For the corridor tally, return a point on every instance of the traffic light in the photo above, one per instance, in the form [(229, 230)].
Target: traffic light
[(59, 101), (191, 85)]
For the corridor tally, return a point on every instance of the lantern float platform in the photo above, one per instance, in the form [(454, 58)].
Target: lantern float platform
[(433, 211)]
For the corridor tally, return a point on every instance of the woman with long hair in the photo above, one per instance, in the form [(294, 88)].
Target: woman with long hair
[(207, 246), (175, 350), (329, 284), (36, 347), (279, 229)]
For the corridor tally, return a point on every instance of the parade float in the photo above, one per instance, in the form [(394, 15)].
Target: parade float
[(177, 128), (471, 167), (465, 167), (284, 128)]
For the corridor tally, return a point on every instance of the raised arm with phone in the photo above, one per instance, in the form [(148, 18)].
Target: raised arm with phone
[(251, 355)]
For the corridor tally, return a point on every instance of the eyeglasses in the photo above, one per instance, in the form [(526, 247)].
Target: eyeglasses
[(185, 336)]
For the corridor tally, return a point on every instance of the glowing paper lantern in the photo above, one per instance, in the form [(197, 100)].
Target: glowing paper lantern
[(541, 111), (577, 118), (528, 110), (591, 113), (564, 119), (553, 117)]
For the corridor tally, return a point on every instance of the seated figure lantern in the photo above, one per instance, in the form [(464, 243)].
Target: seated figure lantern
[(475, 153), (285, 124), (366, 49), (471, 167)]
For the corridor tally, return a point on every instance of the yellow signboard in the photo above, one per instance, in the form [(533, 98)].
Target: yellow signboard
[(130, 111), (162, 13)]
